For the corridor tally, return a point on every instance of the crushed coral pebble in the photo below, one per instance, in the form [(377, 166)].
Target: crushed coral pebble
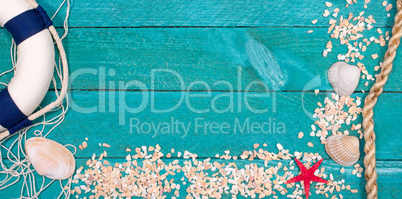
[(350, 31), (147, 174), (335, 112)]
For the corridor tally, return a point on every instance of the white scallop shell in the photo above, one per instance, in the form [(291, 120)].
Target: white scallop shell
[(344, 78), (50, 158), (343, 149)]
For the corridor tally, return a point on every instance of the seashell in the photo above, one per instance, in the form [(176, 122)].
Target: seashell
[(50, 158), (344, 78), (343, 149)]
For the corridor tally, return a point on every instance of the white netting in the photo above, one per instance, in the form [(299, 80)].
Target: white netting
[(16, 169)]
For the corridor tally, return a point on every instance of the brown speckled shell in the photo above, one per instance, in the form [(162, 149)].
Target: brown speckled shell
[(343, 149)]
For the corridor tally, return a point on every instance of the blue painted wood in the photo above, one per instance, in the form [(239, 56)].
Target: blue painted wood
[(206, 41), (207, 13), (199, 54), (93, 115)]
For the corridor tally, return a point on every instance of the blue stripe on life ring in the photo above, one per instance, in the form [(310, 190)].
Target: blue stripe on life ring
[(11, 116), (28, 24)]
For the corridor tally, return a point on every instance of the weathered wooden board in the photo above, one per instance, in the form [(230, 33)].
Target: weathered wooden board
[(101, 119), (222, 13), (179, 57), (113, 44), (389, 186)]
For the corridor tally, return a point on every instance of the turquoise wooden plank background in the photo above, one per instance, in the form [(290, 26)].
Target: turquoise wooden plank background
[(215, 13), (205, 40)]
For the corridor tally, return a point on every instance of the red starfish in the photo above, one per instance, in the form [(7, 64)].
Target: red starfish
[(307, 176)]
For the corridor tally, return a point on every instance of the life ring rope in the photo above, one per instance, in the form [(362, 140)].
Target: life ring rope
[(38, 21)]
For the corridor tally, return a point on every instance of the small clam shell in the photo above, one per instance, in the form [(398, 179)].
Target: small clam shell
[(50, 158), (343, 149), (344, 78)]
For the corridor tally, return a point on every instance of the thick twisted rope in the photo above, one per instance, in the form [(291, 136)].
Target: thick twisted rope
[(371, 100)]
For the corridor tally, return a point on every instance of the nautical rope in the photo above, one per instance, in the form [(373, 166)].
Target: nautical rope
[(64, 63), (371, 100), (64, 84)]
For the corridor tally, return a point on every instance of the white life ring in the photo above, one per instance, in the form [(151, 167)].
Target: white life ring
[(28, 25)]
